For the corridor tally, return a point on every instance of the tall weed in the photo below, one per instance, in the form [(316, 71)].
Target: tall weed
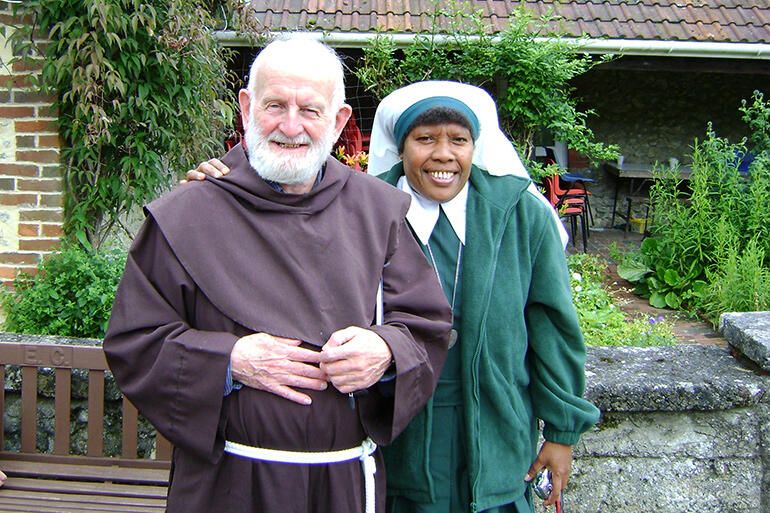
[(738, 283), (714, 228)]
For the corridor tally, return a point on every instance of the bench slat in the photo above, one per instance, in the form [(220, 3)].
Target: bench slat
[(53, 355), (43, 502), (62, 404), (95, 413), (28, 409), (130, 429), (113, 493), (93, 472), (85, 460), (163, 447)]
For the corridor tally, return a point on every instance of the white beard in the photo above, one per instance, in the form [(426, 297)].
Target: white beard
[(286, 169)]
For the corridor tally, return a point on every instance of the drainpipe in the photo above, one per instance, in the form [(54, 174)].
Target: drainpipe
[(706, 49)]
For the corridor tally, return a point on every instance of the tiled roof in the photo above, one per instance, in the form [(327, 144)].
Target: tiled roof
[(730, 21)]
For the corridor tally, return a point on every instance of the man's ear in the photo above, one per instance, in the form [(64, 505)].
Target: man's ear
[(342, 118), (244, 99)]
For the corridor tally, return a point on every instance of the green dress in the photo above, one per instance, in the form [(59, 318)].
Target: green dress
[(448, 462)]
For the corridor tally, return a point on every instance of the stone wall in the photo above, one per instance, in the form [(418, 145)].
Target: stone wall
[(684, 428), (654, 115)]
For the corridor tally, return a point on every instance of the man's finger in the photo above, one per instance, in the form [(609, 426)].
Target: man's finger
[(340, 337), (301, 369), (290, 394), (301, 354), (192, 174), (217, 165)]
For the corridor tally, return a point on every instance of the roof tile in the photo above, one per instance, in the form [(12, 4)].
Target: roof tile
[(681, 20)]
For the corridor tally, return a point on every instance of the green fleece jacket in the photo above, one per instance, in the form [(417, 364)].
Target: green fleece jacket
[(521, 347)]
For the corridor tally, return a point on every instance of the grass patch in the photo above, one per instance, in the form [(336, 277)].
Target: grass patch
[(602, 322)]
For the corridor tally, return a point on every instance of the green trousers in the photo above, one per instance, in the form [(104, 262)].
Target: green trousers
[(448, 463)]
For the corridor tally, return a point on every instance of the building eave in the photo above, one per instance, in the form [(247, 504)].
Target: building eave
[(657, 48)]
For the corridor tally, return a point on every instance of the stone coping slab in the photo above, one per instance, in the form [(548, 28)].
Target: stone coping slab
[(670, 378), (48, 339), (749, 333), (627, 379)]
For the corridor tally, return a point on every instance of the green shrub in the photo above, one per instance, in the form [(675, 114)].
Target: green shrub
[(710, 247), (527, 67), (71, 294), (602, 322)]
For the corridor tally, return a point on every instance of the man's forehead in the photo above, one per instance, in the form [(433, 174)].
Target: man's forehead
[(272, 80)]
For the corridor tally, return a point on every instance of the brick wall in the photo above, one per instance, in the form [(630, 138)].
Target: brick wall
[(30, 180)]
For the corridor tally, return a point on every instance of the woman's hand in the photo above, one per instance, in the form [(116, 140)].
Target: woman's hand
[(212, 167), (558, 459)]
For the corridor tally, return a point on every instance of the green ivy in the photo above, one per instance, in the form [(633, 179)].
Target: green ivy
[(70, 295), (526, 72), (142, 91)]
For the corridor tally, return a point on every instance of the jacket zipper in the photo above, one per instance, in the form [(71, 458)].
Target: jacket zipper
[(477, 354)]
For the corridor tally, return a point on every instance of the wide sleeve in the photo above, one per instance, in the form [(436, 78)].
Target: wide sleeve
[(556, 347), (174, 374), (416, 327)]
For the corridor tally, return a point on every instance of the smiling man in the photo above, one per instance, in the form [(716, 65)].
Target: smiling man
[(249, 336)]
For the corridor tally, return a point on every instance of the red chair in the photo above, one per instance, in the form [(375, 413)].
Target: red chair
[(573, 207), (575, 185)]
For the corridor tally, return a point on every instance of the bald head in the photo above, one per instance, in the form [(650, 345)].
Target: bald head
[(299, 56), (293, 110)]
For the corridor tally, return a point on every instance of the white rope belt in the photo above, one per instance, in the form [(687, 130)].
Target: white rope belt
[(363, 452)]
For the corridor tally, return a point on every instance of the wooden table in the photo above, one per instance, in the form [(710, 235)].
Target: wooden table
[(637, 175)]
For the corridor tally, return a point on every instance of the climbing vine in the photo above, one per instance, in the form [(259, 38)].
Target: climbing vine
[(142, 91), (526, 68)]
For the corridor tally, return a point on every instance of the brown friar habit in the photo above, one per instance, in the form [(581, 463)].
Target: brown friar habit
[(220, 259)]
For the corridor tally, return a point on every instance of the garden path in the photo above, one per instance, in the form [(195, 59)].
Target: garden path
[(687, 331)]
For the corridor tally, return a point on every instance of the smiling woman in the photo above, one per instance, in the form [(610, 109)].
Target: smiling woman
[(437, 159), (517, 353)]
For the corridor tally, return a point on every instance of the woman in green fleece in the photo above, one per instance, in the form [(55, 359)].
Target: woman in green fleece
[(519, 353)]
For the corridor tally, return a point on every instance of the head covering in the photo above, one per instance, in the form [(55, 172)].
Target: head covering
[(415, 110), (492, 150)]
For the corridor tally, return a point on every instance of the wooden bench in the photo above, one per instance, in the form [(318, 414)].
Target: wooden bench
[(61, 481)]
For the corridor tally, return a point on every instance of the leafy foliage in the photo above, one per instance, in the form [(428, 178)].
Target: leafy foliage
[(527, 74), (71, 294), (602, 322), (142, 91), (710, 247)]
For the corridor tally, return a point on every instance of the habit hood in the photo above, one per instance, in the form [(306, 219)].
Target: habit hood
[(284, 239)]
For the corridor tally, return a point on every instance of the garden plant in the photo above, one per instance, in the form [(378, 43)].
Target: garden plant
[(526, 68), (134, 82), (70, 295), (709, 251), (603, 323)]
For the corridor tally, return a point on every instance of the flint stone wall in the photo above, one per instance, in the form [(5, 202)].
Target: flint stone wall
[(683, 429)]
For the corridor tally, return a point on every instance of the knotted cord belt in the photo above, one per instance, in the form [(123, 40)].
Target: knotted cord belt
[(363, 452)]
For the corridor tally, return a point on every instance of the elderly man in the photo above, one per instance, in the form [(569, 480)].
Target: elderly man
[(250, 338)]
